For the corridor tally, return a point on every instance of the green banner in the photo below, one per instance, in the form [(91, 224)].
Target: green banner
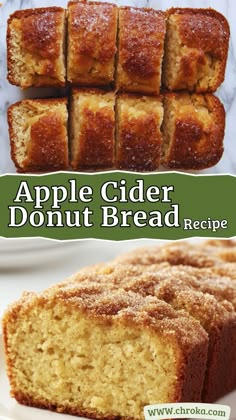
[(117, 206)]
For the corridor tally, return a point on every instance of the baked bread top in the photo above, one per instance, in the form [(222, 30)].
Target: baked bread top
[(159, 279), (138, 119), (181, 253), (38, 134), (193, 130), (92, 128), (35, 47), (125, 307), (196, 49), (140, 49), (92, 29)]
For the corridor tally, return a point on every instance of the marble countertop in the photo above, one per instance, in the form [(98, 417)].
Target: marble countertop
[(227, 92)]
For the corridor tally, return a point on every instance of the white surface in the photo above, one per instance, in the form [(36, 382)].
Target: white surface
[(24, 252), (227, 92)]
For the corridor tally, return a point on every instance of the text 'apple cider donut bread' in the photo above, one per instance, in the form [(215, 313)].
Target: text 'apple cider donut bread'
[(140, 50), (92, 29), (193, 130), (38, 134), (92, 128), (138, 133), (36, 47), (90, 351), (196, 49)]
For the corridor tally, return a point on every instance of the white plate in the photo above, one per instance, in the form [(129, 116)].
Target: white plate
[(11, 410), (23, 252)]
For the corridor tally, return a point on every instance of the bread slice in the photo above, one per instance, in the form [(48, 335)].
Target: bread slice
[(38, 134), (36, 47), (194, 293), (140, 50), (138, 135), (82, 350), (193, 130), (92, 128), (183, 291), (92, 29), (196, 49)]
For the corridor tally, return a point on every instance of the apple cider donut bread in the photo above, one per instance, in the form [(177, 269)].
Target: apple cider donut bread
[(138, 122), (196, 49), (92, 29), (183, 292), (92, 128), (38, 134), (140, 50), (84, 350), (36, 47), (193, 130)]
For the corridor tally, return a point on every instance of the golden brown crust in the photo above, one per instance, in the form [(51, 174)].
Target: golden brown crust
[(138, 144), (196, 142), (29, 401), (204, 38), (41, 39), (181, 253), (92, 31), (140, 50), (92, 128), (126, 307), (47, 146)]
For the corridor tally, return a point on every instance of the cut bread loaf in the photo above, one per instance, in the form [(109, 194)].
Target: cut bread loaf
[(125, 131), (140, 50), (199, 297), (36, 47), (92, 128), (193, 130), (38, 134), (82, 350), (162, 314), (196, 48), (92, 28), (138, 132), (190, 45)]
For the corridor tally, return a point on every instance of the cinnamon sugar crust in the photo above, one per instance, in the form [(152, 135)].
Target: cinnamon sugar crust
[(140, 50), (36, 47), (38, 134), (193, 131), (196, 49), (92, 131), (139, 139), (92, 28)]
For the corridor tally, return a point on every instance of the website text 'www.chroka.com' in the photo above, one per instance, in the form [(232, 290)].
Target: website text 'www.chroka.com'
[(187, 410)]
